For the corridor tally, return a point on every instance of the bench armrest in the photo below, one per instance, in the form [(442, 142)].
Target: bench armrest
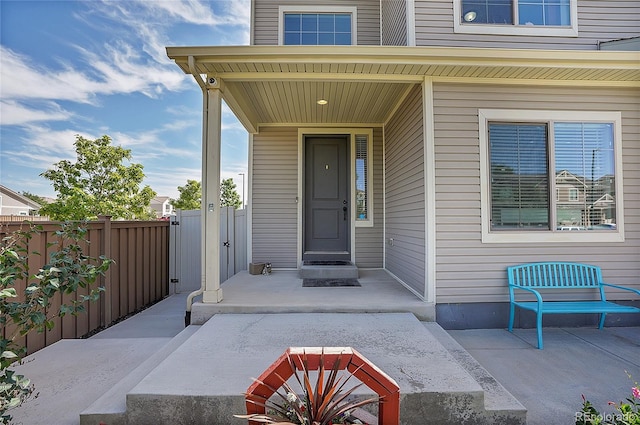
[(512, 295), (621, 287)]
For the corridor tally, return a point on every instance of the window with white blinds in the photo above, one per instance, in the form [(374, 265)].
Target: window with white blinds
[(585, 174), (519, 176), (362, 178), (529, 161)]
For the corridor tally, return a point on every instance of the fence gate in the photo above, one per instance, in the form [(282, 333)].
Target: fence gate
[(186, 247)]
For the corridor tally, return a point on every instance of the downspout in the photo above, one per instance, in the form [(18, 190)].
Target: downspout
[(205, 108)]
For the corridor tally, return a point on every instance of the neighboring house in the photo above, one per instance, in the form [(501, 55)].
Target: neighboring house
[(13, 203), (162, 206), (430, 118), (582, 202)]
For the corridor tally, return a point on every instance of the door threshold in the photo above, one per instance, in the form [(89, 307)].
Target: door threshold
[(326, 263)]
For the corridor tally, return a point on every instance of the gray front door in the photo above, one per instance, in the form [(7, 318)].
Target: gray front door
[(326, 199)]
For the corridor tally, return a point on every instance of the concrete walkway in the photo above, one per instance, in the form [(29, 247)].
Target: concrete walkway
[(575, 361), (71, 374)]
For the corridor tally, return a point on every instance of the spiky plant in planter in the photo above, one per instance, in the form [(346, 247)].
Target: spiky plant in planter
[(326, 402)]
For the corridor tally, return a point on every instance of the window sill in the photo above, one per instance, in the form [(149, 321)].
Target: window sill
[(577, 236), (536, 30), (364, 223)]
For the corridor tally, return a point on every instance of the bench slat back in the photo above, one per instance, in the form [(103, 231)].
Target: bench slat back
[(555, 275)]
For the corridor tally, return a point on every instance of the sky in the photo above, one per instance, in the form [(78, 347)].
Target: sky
[(97, 67)]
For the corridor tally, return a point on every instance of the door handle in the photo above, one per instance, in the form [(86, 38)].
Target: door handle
[(344, 210)]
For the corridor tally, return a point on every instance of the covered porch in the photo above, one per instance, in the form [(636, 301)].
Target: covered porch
[(282, 292), (282, 93)]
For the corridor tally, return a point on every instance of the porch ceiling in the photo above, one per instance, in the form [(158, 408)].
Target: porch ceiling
[(295, 102), (267, 85)]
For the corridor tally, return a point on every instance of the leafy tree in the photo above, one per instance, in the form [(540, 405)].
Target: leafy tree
[(190, 196), (67, 271), (98, 183), (228, 195)]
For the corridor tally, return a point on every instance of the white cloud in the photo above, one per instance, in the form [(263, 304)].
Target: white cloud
[(181, 110), (230, 18), (41, 147), (118, 66), (120, 70), (57, 143), (190, 11), (180, 125), (13, 113), (166, 183), (21, 78)]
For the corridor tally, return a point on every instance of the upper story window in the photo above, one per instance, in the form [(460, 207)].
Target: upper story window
[(313, 26), (311, 29), (516, 17)]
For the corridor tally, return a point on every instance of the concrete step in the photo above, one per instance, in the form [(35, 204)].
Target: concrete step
[(497, 399), (111, 408), (328, 271), (202, 381)]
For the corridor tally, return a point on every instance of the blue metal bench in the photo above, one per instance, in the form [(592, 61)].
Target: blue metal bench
[(558, 275)]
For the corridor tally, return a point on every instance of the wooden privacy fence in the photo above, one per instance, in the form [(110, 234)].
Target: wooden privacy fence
[(138, 277)]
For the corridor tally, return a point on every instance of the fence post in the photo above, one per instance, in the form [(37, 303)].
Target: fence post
[(106, 317)]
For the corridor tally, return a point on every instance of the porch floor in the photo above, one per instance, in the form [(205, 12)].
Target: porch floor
[(282, 292)]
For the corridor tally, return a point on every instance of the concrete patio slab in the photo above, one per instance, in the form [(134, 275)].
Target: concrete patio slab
[(550, 382)]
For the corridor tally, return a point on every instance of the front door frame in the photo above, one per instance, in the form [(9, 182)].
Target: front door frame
[(351, 132), (323, 249)]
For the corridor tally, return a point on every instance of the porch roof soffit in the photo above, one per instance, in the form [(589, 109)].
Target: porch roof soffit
[(266, 85)]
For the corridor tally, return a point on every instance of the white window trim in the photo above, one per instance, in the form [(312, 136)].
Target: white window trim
[(515, 29), (411, 22), (318, 9), (503, 236)]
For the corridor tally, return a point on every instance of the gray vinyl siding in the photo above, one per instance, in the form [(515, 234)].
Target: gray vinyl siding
[(598, 20), (405, 195), (275, 188), (265, 15), (370, 240), (468, 270), (394, 22)]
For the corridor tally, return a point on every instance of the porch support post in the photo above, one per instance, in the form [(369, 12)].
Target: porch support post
[(430, 190), (211, 195)]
